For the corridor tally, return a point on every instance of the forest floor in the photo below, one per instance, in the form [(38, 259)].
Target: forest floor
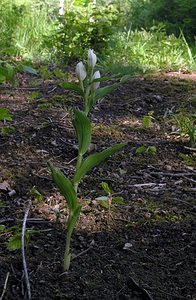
[(142, 249)]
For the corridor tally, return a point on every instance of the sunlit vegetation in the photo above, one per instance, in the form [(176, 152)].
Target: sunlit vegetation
[(142, 35)]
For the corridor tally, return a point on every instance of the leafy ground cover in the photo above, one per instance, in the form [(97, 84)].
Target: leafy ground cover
[(141, 249)]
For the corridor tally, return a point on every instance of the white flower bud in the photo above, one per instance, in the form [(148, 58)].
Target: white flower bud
[(92, 59), (95, 85), (80, 71)]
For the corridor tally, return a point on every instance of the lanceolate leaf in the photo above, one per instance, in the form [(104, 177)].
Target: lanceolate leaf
[(72, 87), (65, 187), (72, 220), (83, 130), (93, 160), (28, 69), (105, 187), (125, 78), (102, 92)]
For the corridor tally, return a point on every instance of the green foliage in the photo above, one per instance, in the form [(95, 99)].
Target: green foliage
[(6, 72), (188, 159), (2, 228), (142, 51), (33, 192), (82, 127), (95, 159), (5, 115), (90, 92), (176, 15), (15, 243), (83, 26), (187, 126), (147, 120), (23, 26), (152, 150), (107, 201), (7, 130)]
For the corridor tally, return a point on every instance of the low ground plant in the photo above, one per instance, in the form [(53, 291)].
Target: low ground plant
[(186, 124), (83, 25), (147, 51), (90, 91)]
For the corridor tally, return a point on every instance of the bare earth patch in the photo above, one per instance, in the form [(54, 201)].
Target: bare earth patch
[(143, 249)]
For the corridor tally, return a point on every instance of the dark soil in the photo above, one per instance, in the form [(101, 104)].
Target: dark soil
[(140, 250)]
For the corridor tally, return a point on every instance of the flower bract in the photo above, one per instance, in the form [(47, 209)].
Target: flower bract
[(92, 59), (80, 71), (95, 85)]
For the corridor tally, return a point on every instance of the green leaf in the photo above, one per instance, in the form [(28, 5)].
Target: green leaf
[(102, 198), (72, 87), (94, 160), (117, 200), (102, 92), (125, 78), (140, 150), (151, 150), (2, 78), (65, 187), (2, 227), (72, 220), (82, 126), (6, 130), (10, 71), (105, 187), (28, 69), (5, 115), (15, 242)]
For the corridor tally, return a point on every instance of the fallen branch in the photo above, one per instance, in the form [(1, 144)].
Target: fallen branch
[(30, 220), (150, 184), (173, 174), (26, 277), (5, 285)]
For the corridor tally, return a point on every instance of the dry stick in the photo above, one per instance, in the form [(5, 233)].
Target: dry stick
[(172, 174), (5, 285), (23, 252)]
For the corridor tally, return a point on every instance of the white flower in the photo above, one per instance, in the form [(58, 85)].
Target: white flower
[(80, 71), (92, 59), (95, 85)]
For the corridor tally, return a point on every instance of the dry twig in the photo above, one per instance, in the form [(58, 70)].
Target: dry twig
[(5, 285), (27, 283)]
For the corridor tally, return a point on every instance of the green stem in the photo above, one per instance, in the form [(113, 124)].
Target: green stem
[(67, 254), (79, 161), (86, 107)]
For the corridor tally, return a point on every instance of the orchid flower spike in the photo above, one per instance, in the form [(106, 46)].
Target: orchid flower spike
[(80, 71), (95, 85), (92, 59)]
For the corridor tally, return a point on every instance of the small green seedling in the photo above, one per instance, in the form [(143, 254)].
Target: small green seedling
[(187, 126), (7, 130), (147, 120), (14, 242), (108, 200), (90, 91), (152, 150), (2, 228), (6, 116), (44, 72), (7, 72), (36, 194)]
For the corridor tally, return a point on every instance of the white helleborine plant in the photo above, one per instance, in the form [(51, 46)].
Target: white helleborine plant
[(90, 91), (80, 71)]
